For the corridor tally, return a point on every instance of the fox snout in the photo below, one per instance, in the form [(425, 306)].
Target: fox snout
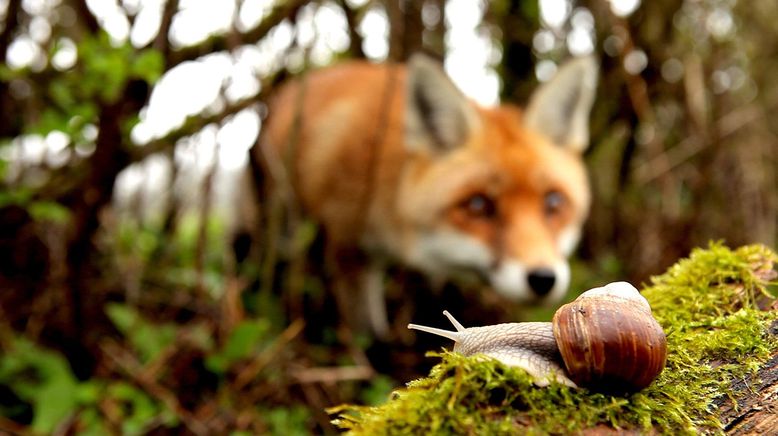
[(545, 284), (541, 281)]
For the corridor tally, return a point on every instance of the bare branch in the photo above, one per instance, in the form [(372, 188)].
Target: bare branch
[(352, 19), (89, 20), (162, 40), (332, 374), (215, 43), (129, 365), (191, 126), (252, 369)]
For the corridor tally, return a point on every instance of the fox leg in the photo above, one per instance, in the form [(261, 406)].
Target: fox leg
[(374, 298), (357, 282)]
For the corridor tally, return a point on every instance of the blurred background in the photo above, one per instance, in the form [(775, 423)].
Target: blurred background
[(125, 126)]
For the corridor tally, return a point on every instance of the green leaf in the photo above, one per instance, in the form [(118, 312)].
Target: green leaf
[(150, 340), (42, 378), (55, 400), (51, 119), (15, 196), (378, 391), (288, 421), (122, 316), (244, 340), (147, 338), (148, 65), (139, 410), (49, 211), (201, 336)]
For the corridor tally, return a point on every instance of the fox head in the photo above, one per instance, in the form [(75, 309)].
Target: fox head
[(496, 192)]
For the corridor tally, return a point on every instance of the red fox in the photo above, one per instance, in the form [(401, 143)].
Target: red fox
[(397, 165)]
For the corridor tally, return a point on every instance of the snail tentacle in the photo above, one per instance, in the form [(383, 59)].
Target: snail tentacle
[(454, 336), (457, 325)]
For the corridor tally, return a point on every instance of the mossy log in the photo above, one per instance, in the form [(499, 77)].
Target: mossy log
[(721, 318)]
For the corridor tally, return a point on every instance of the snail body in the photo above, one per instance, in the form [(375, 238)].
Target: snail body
[(606, 340)]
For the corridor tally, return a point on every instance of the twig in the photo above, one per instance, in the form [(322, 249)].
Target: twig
[(727, 125), (317, 404), (260, 361), (12, 427), (232, 311), (129, 365), (332, 374), (63, 427), (161, 41), (201, 247)]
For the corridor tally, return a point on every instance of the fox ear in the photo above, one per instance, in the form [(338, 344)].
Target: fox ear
[(560, 108), (438, 117)]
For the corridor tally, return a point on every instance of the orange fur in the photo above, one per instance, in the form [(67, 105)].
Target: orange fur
[(342, 135)]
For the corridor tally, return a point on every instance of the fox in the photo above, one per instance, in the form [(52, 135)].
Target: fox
[(399, 167)]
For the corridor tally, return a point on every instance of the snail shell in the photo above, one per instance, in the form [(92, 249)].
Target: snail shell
[(606, 340)]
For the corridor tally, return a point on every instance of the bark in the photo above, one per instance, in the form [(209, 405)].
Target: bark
[(355, 38), (95, 192), (10, 125), (755, 408), (517, 65), (405, 28)]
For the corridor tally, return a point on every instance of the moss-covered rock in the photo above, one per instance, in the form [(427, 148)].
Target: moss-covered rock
[(716, 332)]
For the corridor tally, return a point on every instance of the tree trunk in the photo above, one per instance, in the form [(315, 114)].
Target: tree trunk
[(405, 28)]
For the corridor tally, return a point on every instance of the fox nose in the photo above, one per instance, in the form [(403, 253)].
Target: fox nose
[(541, 280)]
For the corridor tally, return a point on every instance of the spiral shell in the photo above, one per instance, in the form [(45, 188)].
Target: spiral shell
[(609, 339)]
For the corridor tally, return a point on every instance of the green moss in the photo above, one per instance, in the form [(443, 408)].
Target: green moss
[(715, 332)]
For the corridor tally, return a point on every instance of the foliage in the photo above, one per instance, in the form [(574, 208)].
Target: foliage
[(42, 379), (159, 362), (716, 334), (130, 402)]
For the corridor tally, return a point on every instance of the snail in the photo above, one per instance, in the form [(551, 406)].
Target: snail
[(606, 340)]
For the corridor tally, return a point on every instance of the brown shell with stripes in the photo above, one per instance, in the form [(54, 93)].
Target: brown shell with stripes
[(608, 338)]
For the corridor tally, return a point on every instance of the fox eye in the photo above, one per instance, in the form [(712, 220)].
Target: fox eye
[(553, 202), (480, 205)]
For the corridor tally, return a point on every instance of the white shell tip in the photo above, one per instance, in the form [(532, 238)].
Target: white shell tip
[(618, 289)]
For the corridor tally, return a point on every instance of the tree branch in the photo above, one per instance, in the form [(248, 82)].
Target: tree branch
[(352, 19), (221, 42), (162, 40), (89, 20), (9, 125), (191, 126)]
